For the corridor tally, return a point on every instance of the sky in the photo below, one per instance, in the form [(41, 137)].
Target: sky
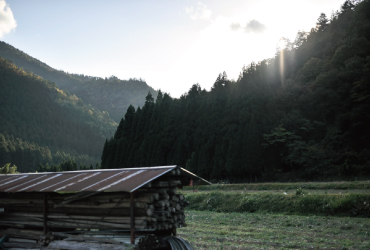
[(170, 44)]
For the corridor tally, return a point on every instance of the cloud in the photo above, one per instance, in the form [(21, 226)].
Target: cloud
[(255, 27), (235, 26), (7, 21), (199, 12)]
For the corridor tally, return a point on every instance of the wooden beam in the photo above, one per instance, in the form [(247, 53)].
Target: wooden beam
[(132, 214), (45, 214), (74, 245), (89, 238)]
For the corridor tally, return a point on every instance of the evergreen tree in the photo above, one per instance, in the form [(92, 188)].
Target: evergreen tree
[(119, 132), (253, 154), (306, 123), (322, 22)]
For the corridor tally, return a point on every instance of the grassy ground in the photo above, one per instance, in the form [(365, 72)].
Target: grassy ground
[(340, 185), (213, 230), (291, 191), (305, 215)]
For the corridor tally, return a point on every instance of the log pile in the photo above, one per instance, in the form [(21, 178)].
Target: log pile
[(35, 239), (158, 210), (62, 220), (155, 209)]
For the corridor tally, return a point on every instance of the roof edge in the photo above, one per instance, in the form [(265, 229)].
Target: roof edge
[(170, 169), (98, 170), (195, 176)]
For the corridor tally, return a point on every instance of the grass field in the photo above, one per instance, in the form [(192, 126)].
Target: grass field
[(212, 230), (286, 186), (325, 215)]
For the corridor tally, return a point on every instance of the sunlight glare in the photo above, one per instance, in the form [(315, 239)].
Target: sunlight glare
[(282, 43)]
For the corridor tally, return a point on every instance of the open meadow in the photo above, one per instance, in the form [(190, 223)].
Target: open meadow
[(212, 230), (279, 216)]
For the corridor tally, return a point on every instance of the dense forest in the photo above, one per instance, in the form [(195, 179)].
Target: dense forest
[(29, 155), (301, 115), (111, 94), (42, 124)]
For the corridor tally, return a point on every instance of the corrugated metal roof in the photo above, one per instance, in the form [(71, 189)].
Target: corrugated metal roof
[(123, 179)]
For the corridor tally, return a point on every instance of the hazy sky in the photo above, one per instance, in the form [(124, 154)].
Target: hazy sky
[(171, 44)]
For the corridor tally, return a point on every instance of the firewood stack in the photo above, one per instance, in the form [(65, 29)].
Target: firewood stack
[(160, 209), (46, 217)]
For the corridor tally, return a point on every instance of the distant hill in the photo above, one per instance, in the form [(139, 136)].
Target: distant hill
[(40, 123), (302, 115), (112, 95)]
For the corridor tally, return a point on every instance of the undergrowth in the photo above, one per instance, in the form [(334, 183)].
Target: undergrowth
[(342, 185), (300, 203)]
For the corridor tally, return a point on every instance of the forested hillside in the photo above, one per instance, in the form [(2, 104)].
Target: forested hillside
[(111, 94), (43, 124), (303, 114)]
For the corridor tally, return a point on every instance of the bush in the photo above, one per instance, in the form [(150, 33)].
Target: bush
[(308, 204), (7, 169)]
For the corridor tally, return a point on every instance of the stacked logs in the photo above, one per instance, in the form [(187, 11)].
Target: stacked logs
[(155, 209)]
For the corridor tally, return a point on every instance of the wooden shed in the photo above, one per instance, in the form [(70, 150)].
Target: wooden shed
[(114, 207)]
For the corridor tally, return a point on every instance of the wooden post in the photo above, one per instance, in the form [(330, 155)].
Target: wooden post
[(132, 215), (45, 214)]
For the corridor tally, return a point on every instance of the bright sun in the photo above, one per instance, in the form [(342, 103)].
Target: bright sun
[(282, 43)]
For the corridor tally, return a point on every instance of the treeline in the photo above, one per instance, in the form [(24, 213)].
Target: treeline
[(302, 115), (37, 118), (66, 165), (28, 155), (108, 96)]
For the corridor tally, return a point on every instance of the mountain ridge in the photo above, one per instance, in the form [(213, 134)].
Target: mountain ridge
[(44, 117), (117, 94)]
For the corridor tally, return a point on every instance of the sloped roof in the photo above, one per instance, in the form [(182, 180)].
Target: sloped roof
[(122, 179)]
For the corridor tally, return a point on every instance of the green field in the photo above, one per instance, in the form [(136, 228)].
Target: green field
[(212, 230), (333, 215)]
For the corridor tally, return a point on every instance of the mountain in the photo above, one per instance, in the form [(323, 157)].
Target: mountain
[(110, 94), (301, 115), (41, 123)]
